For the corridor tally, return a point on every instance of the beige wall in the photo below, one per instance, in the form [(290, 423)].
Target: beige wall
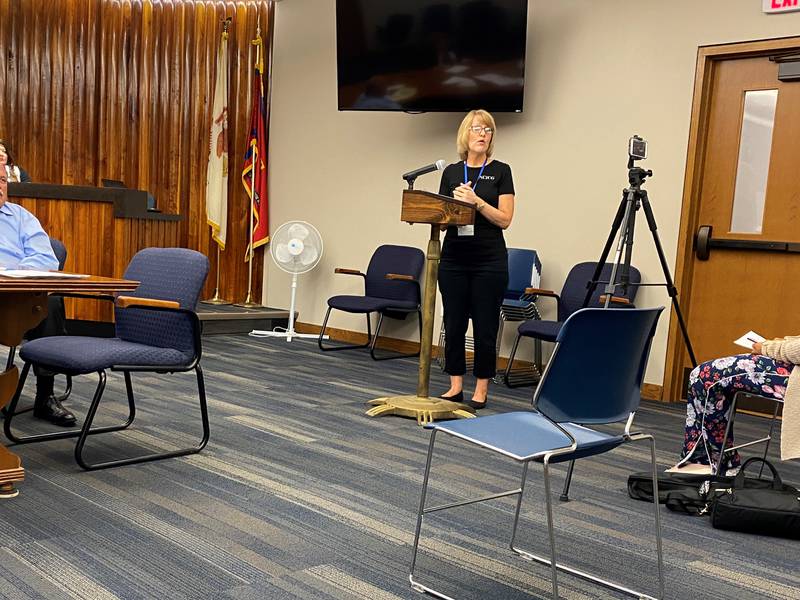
[(597, 72)]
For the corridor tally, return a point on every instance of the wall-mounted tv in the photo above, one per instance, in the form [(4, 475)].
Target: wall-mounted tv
[(431, 55)]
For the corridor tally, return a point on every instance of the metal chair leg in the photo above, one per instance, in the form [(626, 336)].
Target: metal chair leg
[(343, 346), (659, 546), (85, 431), (769, 438), (728, 427), (420, 514), (564, 497), (519, 503), (550, 528), (59, 435), (396, 354)]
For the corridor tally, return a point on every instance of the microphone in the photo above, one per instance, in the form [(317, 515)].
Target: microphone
[(437, 166)]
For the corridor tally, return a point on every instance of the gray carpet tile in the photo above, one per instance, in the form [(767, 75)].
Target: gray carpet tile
[(299, 495)]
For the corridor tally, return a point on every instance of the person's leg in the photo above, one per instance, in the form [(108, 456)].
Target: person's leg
[(454, 284), (487, 291), (712, 386), (47, 406)]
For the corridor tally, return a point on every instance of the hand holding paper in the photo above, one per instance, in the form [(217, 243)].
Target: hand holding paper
[(748, 339)]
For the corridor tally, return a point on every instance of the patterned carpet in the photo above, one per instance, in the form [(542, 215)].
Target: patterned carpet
[(299, 495)]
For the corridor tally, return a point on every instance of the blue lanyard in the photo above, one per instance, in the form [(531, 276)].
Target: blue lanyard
[(479, 174)]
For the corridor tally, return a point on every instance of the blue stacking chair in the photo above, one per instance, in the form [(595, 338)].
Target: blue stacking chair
[(594, 377), (157, 330), (524, 272), (391, 289)]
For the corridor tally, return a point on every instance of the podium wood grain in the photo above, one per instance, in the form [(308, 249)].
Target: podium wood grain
[(23, 304)]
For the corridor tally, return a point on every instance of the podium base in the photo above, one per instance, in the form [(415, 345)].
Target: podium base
[(425, 410)]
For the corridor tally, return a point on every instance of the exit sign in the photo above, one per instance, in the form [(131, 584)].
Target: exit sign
[(780, 6)]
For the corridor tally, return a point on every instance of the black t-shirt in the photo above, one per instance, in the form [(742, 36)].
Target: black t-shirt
[(487, 244)]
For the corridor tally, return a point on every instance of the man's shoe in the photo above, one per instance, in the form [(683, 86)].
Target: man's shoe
[(50, 409)]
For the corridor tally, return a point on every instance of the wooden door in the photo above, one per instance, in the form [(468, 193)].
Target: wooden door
[(742, 191)]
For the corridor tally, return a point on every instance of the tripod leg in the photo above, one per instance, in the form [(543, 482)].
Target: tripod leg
[(606, 249), (624, 245), (671, 290)]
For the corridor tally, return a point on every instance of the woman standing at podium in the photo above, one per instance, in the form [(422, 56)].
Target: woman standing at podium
[(473, 271)]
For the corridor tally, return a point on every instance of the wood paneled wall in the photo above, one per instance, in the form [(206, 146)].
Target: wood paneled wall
[(122, 89)]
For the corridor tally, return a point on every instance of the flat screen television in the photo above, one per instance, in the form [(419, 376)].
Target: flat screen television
[(431, 55)]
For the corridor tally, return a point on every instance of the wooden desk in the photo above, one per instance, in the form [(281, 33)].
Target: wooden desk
[(23, 304)]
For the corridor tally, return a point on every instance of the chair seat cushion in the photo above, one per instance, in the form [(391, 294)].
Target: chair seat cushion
[(543, 330), (75, 355), (366, 304), (528, 435)]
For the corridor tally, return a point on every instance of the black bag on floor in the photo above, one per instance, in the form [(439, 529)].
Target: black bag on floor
[(766, 511), (640, 485)]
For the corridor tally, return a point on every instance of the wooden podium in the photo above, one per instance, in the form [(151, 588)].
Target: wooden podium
[(435, 210)]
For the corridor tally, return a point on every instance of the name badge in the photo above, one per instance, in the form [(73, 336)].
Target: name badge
[(466, 230)]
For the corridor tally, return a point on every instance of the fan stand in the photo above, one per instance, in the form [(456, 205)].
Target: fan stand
[(290, 332), (421, 406)]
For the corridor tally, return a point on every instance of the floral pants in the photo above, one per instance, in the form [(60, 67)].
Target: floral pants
[(712, 386)]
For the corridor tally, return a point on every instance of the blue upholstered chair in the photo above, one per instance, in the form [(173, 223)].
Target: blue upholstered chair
[(594, 377), (391, 289), (157, 331), (571, 299)]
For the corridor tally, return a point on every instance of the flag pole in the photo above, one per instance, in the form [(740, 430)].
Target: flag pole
[(216, 299), (248, 301)]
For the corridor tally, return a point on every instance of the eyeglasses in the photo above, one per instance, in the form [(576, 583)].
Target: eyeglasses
[(478, 129)]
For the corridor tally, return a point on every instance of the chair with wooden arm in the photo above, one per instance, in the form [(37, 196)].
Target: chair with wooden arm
[(157, 330), (391, 289), (567, 302)]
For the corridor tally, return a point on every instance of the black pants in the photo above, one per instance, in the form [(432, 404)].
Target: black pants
[(474, 291), (54, 324)]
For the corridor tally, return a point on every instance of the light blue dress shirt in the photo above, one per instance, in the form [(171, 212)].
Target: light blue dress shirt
[(23, 242)]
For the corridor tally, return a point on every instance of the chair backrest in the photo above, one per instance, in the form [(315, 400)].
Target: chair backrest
[(176, 274), (524, 271), (595, 374), (402, 260), (60, 250), (575, 286)]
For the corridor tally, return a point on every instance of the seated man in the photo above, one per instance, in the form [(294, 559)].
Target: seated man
[(25, 245)]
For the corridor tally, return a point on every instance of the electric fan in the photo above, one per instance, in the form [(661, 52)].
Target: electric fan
[(296, 247)]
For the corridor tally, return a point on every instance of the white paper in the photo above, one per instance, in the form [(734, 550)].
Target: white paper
[(32, 274), (748, 339)]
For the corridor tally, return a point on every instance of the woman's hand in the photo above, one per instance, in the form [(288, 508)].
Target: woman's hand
[(757, 348), (465, 193)]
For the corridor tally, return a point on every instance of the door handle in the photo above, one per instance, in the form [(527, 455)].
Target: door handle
[(704, 242)]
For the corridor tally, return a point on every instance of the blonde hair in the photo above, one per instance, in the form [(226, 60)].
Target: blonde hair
[(462, 137)]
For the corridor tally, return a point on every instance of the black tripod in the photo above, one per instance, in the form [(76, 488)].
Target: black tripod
[(633, 198)]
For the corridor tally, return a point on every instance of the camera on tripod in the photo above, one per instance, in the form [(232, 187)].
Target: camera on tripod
[(637, 148)]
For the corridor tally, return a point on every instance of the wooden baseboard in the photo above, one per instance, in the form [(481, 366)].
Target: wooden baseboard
[(650, 391)]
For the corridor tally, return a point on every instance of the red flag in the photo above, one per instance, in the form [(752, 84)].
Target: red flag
[(254, 173)]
